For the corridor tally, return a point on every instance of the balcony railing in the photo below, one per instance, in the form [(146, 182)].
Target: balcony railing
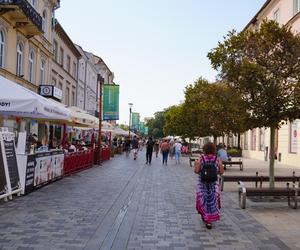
[(26, 8)]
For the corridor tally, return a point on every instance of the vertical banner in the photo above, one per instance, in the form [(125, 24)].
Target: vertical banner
[(111, 102), (142, 127), (135, 121), (293, 137), (146, 130)]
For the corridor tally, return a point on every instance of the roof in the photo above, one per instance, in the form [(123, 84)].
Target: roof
[(254, 19), (63, 34)]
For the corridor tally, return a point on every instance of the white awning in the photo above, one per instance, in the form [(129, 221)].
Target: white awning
[(16, 100), (80, 116)]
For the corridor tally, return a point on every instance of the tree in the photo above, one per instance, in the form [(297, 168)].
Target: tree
[(215, 109), (263, 65), (155, 125)]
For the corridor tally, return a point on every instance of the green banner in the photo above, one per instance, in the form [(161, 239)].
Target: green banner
[(135, 121), (142, 127), (111, 102), (146, 131)]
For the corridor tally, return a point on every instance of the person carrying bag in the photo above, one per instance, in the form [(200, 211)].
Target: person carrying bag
[(208, 200)]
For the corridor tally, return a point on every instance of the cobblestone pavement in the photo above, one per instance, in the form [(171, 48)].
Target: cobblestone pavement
[(126, 204)]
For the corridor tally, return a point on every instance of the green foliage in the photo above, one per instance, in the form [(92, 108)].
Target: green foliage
[(124, 127), (232, 151), (264, 67), (156, 124)]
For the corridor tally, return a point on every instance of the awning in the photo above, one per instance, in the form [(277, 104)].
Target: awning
[(82, 117), (119, 131), (16, 100)]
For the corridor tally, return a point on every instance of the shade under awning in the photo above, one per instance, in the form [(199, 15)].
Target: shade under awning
[(16, 100)]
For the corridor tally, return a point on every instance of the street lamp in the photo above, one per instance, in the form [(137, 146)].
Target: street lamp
[(100, 80), (130, 106)]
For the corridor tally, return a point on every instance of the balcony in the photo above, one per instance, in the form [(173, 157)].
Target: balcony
[(23, 16)]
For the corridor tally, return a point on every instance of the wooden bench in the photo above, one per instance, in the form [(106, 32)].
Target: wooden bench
[(289, 192), (257, 179), (232, 163)]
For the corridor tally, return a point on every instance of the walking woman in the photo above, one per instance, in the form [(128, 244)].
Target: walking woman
[(208, 200), (165, 148)]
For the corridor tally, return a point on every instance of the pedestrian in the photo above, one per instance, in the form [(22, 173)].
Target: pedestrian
[(165, 148), (222, 153), (171, 151), (177, 150), (208, 200), (135, 147), (156, 147), (149, 150)]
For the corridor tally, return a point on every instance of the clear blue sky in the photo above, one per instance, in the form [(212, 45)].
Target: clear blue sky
[(154, 47)]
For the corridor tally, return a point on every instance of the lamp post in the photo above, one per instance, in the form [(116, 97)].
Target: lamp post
[(100, 80), (130, 106)]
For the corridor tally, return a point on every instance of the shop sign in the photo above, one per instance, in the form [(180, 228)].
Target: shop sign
[(50, 91)]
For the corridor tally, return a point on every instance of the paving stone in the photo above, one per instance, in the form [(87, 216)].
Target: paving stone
[(126, 204)]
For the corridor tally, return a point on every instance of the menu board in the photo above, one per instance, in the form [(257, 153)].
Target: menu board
[(12, 164), (3, 183)]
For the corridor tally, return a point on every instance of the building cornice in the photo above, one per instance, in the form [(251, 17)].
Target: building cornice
[(64, 36)]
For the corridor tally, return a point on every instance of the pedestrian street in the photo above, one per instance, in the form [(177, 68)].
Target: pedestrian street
[(126, 204)]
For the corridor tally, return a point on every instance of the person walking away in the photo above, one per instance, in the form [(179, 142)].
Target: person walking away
[(135, 147), (177, 149), (171, 151), (127, 146), (208, 200), (156, 148), (165, 148), (149, 150), (222, 153)]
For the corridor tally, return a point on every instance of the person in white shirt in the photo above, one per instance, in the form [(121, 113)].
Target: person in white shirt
[(177, 149)]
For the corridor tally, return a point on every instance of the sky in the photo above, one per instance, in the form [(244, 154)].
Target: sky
[(154, 47)]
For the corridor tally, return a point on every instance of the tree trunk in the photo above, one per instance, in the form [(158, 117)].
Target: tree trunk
[(215, 140), (239, 140), (272, 157)]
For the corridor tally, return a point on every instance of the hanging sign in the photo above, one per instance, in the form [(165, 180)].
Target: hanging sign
[(111, 102)]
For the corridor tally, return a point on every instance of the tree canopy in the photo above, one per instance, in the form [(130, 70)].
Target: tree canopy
[(263, 66)]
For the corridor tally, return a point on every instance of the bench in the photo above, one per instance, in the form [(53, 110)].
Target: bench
[(257, 179), (232, 163), (289, 192)]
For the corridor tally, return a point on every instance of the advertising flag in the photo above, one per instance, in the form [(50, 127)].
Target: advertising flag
[(146, 131), (111, 102), (135, 121), (142, 127)]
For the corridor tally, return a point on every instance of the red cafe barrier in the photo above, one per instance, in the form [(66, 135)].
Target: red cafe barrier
[(105, 154), (78, 161)]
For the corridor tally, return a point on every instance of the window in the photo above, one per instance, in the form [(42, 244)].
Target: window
[(276, 16), (31, 66), (69, 64), (261, 139), (293, 137), (19, 59), (253, 139), (44, 23), (42, 72), (55, 51), (296, 6), (67, 96), (54, 81), (73, 98), (61, 57), (2, 48), (60, 85), (33, 3), (246, 140), (75, 70)]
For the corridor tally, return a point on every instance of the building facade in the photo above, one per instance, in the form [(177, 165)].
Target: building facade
[(256, 142), (64, 65), (26, 41)]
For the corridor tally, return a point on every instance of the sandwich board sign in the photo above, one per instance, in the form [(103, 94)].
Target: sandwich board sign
[(9, 174)]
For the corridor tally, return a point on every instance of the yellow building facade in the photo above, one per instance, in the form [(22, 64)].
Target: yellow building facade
[(26, 41)]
